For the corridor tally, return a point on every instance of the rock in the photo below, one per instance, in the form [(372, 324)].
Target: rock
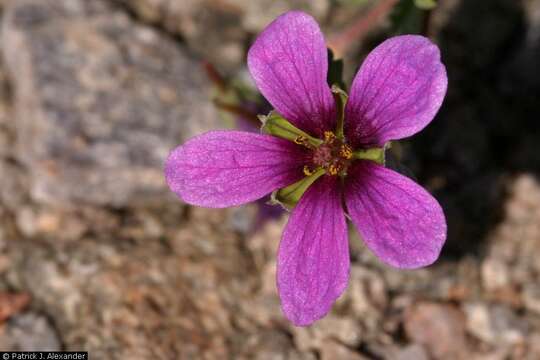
[(258, 14), (366, 293), (514, 245), (494, 274), (345, 330), (5, 135), (142, 298), (29, 332), (496, 325), (99, 101), (411, 352), (209, 27), (267, 345), (12, 304), (219, 30), (533, 346), (189, 283), (478, 322), (439, 327), (531, 297), (242, 218), (332, 350), (11, 187)]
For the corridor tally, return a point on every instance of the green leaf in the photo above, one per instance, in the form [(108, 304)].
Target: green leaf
[(335, 71), (289, 196), (274, 124), (425, 4), (341, 98)]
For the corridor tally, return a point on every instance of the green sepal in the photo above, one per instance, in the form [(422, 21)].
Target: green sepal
[(289, 196), (374, 154), (340, 97), (335, 70), (276, 125)]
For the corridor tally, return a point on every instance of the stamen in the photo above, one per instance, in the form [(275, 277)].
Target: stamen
[(300, 140), (329, 137), (307, 170), (333, 169), (345, 152)]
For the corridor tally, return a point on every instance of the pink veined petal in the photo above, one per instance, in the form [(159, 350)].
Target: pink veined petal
[(397, 218), (313, 259), (289, 64), (397, 91), (226, 168)]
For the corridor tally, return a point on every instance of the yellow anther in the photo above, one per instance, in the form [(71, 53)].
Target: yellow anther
[(329, 137), (345, 151), (307, 171), (300, 140), (333, 169)]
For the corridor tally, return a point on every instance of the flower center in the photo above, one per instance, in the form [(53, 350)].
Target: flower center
[(333, 155)]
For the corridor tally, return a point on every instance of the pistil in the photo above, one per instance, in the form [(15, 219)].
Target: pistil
[(333, 155)]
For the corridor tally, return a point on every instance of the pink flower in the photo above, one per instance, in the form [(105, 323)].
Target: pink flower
[(396, 93)]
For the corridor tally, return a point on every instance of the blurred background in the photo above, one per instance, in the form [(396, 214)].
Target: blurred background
[(96, 254)]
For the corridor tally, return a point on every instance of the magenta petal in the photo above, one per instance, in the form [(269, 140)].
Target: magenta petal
[(397, 91), (398, 219), (227, 168), (289, 63), (313, 259)]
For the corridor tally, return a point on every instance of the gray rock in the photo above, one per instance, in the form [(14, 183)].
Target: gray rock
[(99, 101), (219, 30), (497, 325), (29, 332)]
